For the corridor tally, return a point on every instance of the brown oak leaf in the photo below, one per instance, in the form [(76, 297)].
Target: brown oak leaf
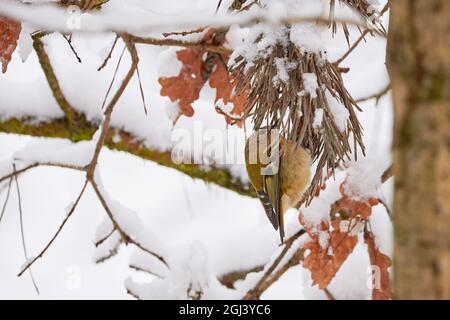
[(354, 208), (185, 88), (9, 34), (325, 262), (199, 66), (381, 282), (225, 85)]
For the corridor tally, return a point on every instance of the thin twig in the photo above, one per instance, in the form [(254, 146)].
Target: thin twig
[(329, 295), (377, 96), (141, 269), (105, 62), (6, 199), (361, 38), (69, 214), (22, 230), (260, 286), (183, 33), (102, 240), (40, 164), (113, 78), (179, 43), (69, 41), (386, 206), (127, 239), (353, 47), (104, 128), (141, 89), (389, 173)]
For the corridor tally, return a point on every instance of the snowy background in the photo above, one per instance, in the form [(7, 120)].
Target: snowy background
[(230, 231)]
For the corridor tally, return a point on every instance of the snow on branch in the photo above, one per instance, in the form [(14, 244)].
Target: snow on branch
[(53, 18)]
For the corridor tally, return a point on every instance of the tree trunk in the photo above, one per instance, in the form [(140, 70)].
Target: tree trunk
[(419, 66)]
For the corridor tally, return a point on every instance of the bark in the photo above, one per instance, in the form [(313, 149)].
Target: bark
[(419, 66)]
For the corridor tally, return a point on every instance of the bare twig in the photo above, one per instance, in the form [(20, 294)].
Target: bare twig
[(127, 239), (109, 109), (361, 38), (69, 42), (386, 206), (114, 77), (134, 295), (377, 96), (230, 278), (111, 253), (179, 43), (102, 240), (105, 62), (353, 47), (40, 164), (69, 214), (183, 33), (329, 295), (22, 230), (261, 285), (389, 173), (141, 89), (143, 270), (6, 199)]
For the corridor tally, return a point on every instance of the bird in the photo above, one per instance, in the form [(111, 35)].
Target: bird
[(279, 171)]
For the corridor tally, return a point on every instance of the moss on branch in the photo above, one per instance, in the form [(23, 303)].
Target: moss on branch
[(60, 128)]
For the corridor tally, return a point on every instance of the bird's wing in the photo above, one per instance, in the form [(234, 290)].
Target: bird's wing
[(274, 191), (271, 187), (266, 196)]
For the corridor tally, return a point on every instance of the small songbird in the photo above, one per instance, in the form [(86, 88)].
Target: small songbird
[(279, 171)]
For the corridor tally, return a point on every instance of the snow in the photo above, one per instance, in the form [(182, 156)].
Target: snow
[(109, 247), (168, 64), (318, 118), (320, 207), (324, 239), (103, 229), (364, 178), (57, 151), (268, 37), (129, 222), (282, 72), (338, 111), (310, 84), (307, 37), (25, 42)]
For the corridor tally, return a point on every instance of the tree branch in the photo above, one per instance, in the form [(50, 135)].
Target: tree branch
[(60, 128), (52, 80), (377, 96), (265, 282), (180, 43)]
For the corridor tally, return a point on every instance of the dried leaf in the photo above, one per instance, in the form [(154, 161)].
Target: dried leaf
[(198, 67), (324, 263), (9, 34), (225, 85), (355, 208), (381, 281), (185, 88)]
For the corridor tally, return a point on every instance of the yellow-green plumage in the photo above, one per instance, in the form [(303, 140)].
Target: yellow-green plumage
[(283, 189)]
